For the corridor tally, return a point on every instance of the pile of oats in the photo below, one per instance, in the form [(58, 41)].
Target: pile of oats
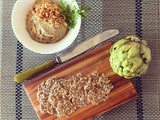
[(62, 97)]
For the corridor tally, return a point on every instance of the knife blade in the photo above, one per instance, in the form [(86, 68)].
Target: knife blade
[(82, 47), (86, 45)]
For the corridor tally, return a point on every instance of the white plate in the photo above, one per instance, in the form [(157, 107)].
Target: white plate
[(19, 13)]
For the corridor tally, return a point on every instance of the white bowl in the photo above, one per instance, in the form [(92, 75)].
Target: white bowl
[(19, 13)]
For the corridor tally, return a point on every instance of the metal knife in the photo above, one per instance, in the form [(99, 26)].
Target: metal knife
[(82, 47)]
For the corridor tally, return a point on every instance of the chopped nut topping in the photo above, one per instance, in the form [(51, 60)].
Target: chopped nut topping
[(62, 97), (49, 11)]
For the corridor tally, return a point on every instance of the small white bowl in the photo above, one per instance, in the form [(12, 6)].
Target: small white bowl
[(19, 13)]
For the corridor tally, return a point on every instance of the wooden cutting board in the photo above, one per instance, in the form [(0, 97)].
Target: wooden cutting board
[(95, 60)]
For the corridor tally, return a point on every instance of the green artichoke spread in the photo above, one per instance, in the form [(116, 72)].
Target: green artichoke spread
[(130, 57)]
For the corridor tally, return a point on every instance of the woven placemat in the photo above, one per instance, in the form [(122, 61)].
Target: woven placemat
[(131, 17)]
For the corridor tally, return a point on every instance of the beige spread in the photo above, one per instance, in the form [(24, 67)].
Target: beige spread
[(45, 23)]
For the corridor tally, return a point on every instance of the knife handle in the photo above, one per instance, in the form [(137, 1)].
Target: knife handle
[(20, 77)]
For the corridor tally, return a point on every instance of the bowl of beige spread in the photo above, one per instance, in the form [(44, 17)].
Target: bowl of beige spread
[(40, 26)]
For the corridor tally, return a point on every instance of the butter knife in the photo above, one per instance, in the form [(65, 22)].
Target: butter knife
[(82, 47)]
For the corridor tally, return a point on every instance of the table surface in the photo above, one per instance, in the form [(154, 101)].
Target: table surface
[(131, 17)]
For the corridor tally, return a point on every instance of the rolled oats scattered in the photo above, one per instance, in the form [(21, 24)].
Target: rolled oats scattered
[(62, 97)]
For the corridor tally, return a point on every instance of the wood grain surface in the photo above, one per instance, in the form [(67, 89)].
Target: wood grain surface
[(95, 60)]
